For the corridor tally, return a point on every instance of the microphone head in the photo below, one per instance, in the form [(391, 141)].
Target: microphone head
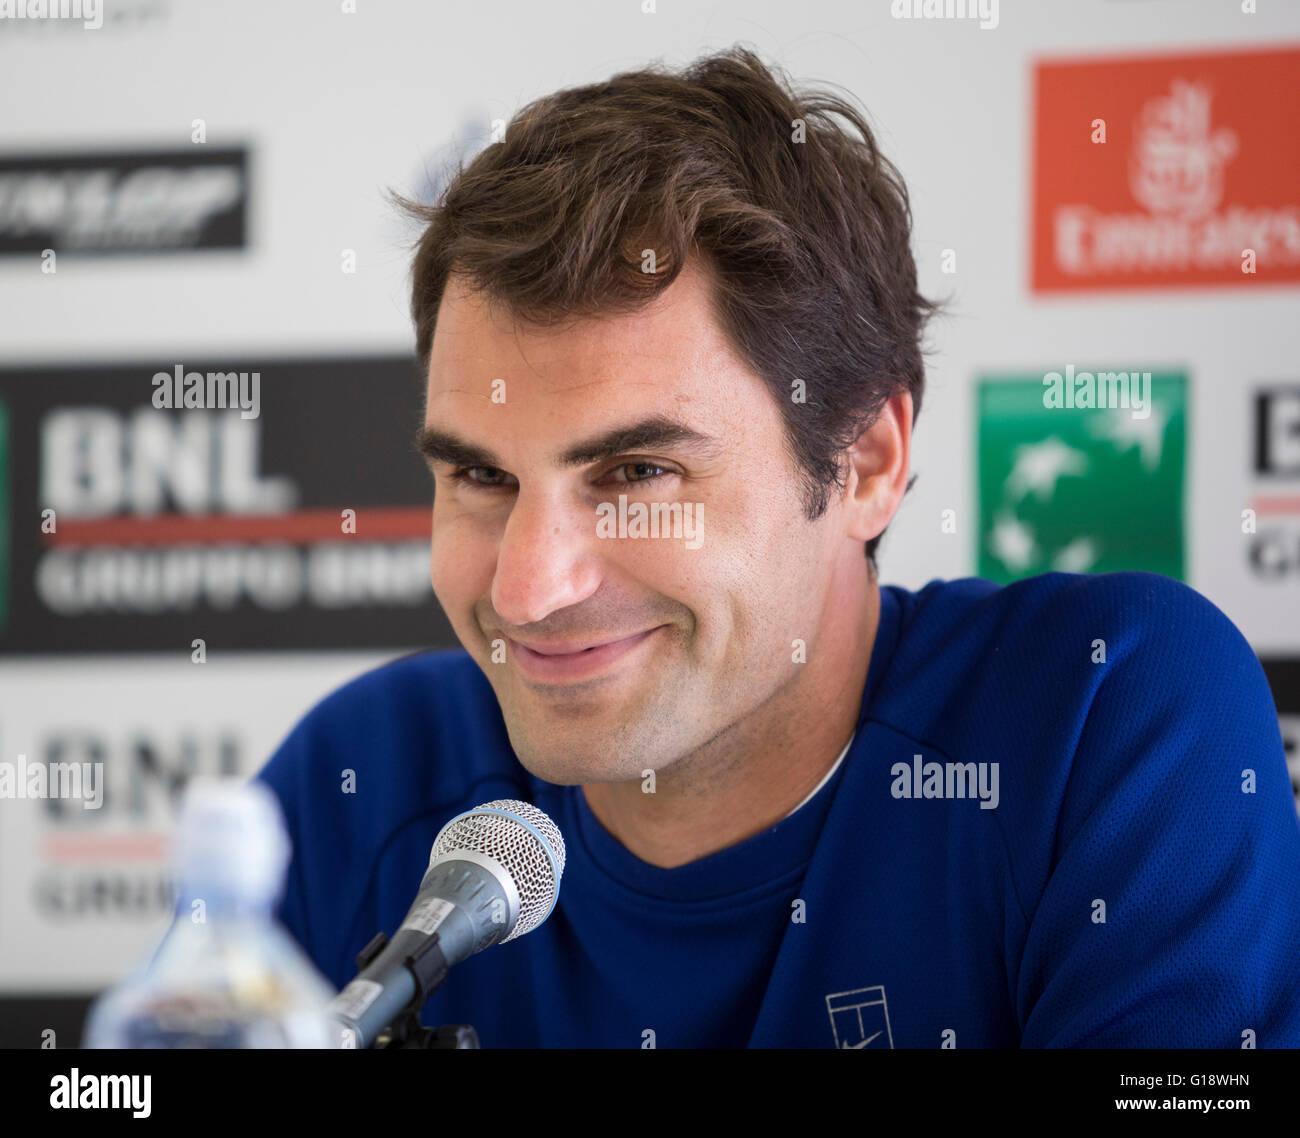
[(523, 841)]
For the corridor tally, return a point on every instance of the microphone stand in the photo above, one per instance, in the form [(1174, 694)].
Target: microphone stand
[(408, 1032), (429, 968)]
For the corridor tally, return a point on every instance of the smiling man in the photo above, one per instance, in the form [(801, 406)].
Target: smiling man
[(800, 808), (623, 655)]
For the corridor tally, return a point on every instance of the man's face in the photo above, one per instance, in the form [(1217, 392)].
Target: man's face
[(527, 548)]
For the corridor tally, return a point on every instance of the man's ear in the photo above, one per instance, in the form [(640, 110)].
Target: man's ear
[(878, 467)]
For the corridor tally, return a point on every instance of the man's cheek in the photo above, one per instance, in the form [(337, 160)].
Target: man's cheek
[(451, 575)]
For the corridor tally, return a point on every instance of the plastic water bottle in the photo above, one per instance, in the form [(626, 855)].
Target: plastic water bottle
[(226, 974)]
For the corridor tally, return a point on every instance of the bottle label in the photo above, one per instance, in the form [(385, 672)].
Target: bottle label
[(353, 1001), (428, 915)]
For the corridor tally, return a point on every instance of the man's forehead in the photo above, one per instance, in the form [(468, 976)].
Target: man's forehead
[(675, 335)]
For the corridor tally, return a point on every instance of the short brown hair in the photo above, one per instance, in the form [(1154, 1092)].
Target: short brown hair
[(803, 226)]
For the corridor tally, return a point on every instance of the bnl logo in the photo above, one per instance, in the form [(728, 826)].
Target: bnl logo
[(860, 1019)]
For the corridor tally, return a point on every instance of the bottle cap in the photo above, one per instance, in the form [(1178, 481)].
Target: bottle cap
[(230, 842)]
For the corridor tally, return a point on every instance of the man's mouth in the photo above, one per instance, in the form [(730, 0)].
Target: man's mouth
[(574, 660)]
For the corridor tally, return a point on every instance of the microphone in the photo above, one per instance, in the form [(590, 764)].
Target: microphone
[(494, 874)]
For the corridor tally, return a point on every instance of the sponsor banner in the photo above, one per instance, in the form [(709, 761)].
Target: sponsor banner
[(1272, 523), (1082, 472), (1167, 170), (133, 202), (255, 504), (1284, 679), (86, 890)]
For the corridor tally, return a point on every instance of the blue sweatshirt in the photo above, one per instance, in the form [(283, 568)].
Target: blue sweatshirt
[(1034, 840)]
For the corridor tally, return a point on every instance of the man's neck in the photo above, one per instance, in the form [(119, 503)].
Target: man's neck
[(754, 775)]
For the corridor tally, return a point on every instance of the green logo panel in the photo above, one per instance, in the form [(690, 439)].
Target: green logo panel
[(1082, 489)]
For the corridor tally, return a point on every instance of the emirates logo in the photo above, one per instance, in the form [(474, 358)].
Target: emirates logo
[(1176, 167)]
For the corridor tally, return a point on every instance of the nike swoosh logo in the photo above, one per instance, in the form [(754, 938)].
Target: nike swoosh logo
[(858, 1046)]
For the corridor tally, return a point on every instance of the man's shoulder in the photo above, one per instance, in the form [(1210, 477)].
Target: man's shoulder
[(422, 728), (417, 684), (1137, 767), (369, 770), (1019, 669), (1136, 596), (974, 629)]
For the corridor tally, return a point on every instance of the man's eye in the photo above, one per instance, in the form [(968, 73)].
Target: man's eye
[(641, 467), (462, 475), (489, 478)]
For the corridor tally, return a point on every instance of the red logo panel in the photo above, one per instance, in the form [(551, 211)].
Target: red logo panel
[(1197, 181)]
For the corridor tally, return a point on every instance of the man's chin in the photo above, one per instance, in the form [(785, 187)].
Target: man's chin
[(582, 754), (566, 770)]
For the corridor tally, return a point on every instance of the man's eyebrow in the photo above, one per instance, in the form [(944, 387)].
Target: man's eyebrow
[(648, 434)]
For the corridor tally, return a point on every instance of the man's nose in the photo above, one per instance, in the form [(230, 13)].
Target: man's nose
[(547, 559)]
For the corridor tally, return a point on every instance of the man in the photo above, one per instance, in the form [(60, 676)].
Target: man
[(672, 339)]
